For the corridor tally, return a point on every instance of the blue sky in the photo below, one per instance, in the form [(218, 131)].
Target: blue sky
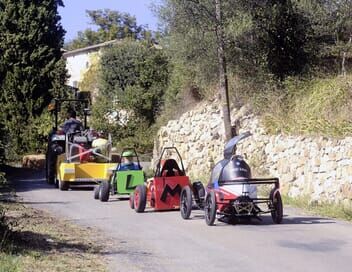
[(74, 19)]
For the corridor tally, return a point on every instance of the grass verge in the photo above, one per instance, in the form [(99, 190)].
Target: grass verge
[(323, 209), (32, 240)]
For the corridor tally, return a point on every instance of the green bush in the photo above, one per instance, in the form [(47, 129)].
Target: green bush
[(132, 78)]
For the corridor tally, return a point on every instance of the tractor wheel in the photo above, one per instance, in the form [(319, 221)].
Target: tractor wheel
[(104, 191), (277, 207), (50, 167), (63, 185), (56, 183), (140, 198), (186, 202), (132, 201), (210, 208), (96, 191)]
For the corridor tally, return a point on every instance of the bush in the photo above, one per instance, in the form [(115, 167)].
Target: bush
[(318, 106), (133, 77)]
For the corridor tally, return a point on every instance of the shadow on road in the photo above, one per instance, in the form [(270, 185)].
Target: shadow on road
[(266, 220), (307, 220), (24, 179), (29, 240)]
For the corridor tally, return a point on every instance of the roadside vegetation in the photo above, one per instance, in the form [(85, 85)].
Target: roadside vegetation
[(288, 60), (32, 240), (323, 209)]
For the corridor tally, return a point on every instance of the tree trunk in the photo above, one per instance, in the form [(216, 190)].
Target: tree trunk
[(343, 68), (223, 84)]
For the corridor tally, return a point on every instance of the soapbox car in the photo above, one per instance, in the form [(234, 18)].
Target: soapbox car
[(232, 192), (125, 178), (162, 192)]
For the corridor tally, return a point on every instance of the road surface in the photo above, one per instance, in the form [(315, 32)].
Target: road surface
[(162, 241)]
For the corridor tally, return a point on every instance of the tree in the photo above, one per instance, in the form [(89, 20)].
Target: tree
[(133, 76), (201, 32), (283, 35), (224, 87), (32, 70), (111, 25)]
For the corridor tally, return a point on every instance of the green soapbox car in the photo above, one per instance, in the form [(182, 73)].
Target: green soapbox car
[(124, 179)]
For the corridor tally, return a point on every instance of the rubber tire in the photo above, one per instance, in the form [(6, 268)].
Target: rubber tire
[(50, 167), (56, 183), (210, 208), (186, 202), (63, 185), (96, 191), (104, 191), (131, 200), (140, 198), (199, 193), (277, 213)]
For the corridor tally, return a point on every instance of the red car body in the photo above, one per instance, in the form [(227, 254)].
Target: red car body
[(162, 192)]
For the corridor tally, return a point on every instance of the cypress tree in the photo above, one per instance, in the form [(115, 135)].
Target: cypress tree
[(32, 70)]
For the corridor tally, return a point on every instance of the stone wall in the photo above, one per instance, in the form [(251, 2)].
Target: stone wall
[(320, 168)]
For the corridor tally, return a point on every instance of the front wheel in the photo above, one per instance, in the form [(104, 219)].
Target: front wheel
[(96, 191), (131, 200), (186, 202), (140, 198), (210, 208), (104, 191), (277, 207)]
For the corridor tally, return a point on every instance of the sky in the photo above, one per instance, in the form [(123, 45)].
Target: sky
[(74, 18)]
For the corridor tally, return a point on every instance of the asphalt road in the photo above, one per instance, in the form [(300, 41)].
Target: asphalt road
[(162, 241)]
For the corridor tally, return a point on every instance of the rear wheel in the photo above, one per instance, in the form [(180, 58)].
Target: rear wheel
[(63, 185), (104, 191), (186, 202), (199, 193), (277, 207), (132, 201), (210, 208), (140, 198), (50, 167), (96, 191)]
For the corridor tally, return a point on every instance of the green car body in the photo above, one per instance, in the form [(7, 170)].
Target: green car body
[(124, 182), (125, 178)]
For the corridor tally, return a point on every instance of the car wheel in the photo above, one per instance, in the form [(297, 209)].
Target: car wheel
[(104, 191), (63, 185), (140, 198), (50, 167), (277, 207), (199, 193), (56, 183), (96, 191), (210, 208), (132, 201), (186, 202)]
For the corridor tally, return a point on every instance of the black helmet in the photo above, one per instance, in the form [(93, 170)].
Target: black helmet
[(235, 168)]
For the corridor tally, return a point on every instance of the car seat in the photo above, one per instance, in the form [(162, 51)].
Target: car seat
[(171, 169)]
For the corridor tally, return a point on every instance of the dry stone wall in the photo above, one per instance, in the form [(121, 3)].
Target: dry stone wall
[(320, 168)]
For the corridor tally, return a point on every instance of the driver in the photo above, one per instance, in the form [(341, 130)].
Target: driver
[(127, 162), (71, 124)]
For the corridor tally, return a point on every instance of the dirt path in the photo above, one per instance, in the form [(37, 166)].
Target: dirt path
[(164, 242)]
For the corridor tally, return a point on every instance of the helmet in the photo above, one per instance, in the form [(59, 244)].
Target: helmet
[(99, 142), (234, 169), (128, 153)]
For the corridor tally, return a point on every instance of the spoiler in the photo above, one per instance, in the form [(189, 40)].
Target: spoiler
[(231, 145)]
